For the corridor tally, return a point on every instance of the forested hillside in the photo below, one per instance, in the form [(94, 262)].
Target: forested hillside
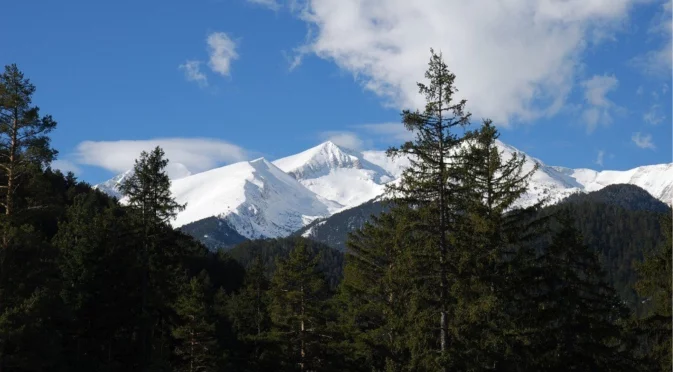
[(449, 277)]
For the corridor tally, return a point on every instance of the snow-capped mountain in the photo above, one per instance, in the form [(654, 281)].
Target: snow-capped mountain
[(272, 199), (337, 174), (254, 197), (111, 186)]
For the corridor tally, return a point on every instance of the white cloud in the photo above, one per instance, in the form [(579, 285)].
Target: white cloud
[(270, 4), (654, 116), (599, 107), (346, 139), (664, 87), (599, 158), (514, 59), (658, 61), (388, 131), (640, 90), (185, 155), (222, 51), (193, 72), (644, 141), (66, 166)]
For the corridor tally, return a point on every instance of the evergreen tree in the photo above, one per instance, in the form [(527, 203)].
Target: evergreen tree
[(99, 276), (430, 181), (197, 347), (149, 196), (375, 291), (24, 144), (298, 294), (577, 323), (655, 286), (489, 234), (24, 150), (248, 311)]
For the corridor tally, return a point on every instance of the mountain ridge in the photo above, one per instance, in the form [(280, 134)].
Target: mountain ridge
[(270, 199)]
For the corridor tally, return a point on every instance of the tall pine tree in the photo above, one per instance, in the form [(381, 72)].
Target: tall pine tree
[(197, 348), (298, 294), (249, 314), (430, 181), (149, 196), (24, 151), (490, 232), (655, 286), (577, 323), (376, 291)]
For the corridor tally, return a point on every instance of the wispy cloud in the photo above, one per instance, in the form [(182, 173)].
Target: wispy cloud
[(599, 158), (654, 115), (187, 155), (269, 4), (644, 141), (640, 90), (388, 131), (192, 70), (66, 166), (657, 61), (598, 106), (346, 139), (540, 44), (222, 51)]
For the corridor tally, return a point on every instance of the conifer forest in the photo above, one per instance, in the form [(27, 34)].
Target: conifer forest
[(449, 276)]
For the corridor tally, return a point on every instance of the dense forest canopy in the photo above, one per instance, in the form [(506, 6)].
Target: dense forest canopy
[(447, 277)]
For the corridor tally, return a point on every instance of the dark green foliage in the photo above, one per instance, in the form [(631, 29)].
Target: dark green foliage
[(333, 231), (99, 276), (330, 261), (629, 197), (148, 189), (297, 311), (431, 181), (376, 292), (620, 236), (250, 320), (654, 286), (24, 141), (576, 323), (448, 276), (196, 346)]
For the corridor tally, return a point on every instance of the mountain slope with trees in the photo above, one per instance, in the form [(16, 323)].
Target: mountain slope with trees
[(448, 277)]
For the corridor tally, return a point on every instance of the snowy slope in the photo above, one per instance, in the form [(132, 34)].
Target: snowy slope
[(111, 186), (655, 179), (263, 199), (337, 174), (256, 198), (174, 171)]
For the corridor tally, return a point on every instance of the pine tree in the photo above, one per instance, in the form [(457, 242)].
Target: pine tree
[(655, 286), (24, 144), (430, 182), (149, 196), (490, 232), (298, 293), (24, 151), (99, 281), (375, 291), (577, 324), (197, 346), (248, 311)]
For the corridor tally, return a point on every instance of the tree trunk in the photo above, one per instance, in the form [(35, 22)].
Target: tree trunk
[(443, 327), (302, 351)]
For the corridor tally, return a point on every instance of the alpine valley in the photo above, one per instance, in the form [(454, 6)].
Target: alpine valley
[(270, 199)]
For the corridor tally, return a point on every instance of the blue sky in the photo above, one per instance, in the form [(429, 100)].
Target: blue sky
[(578, 83)]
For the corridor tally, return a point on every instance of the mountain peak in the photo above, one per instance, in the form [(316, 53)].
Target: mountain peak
[(318, 160)]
